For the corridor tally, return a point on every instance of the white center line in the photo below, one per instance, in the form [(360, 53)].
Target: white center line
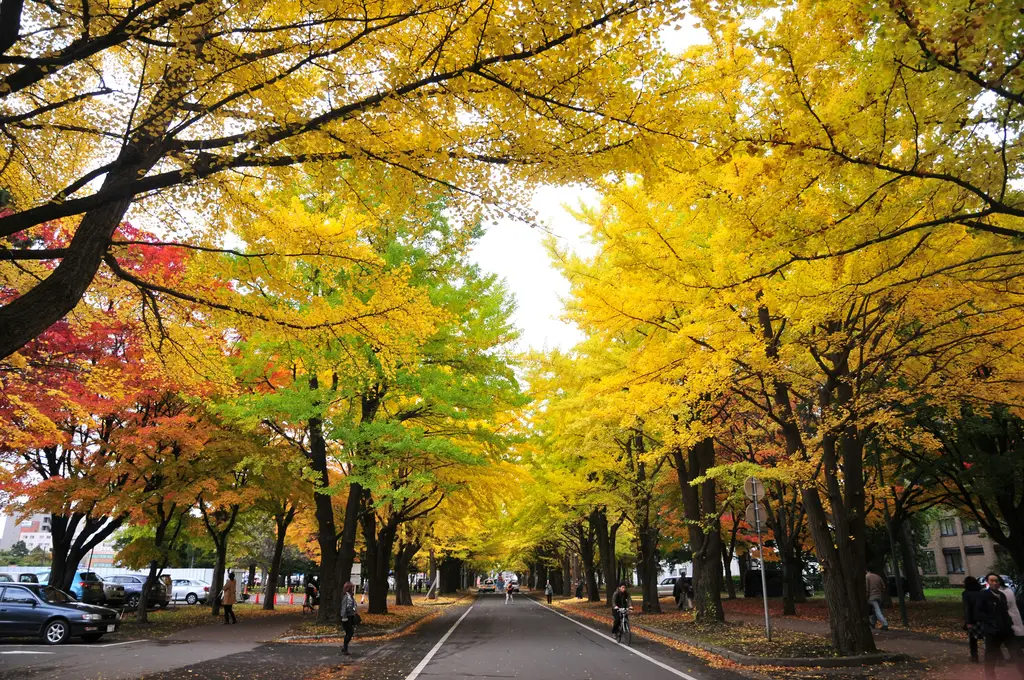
[(643, 656), (127, 642), (430, 655), (21, 651)]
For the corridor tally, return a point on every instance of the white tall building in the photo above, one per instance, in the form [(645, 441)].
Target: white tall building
[(34, 530)]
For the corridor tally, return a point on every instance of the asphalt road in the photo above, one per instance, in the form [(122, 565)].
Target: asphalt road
[(485, 639)]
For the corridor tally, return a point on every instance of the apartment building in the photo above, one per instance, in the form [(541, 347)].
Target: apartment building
[(958, 548)]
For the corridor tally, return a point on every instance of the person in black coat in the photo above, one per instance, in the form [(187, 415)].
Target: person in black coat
[(970, 598), (993, 623)]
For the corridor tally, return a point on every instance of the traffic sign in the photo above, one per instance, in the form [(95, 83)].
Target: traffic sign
[(754, 521), (753, 488)]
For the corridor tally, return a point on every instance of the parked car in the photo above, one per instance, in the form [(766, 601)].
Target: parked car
[(487, 586), (30, 610), (86, 586), (18, 577), (667, 585), (190, 590), (113, 592), (133, 583)]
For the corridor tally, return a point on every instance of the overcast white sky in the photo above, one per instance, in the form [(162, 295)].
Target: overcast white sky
[(516, 252)]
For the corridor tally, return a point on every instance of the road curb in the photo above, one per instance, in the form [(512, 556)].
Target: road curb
[(747, 660), (380, 634)]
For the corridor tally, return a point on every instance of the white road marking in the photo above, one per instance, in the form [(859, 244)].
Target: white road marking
[(430, 655), (643, 656), (23, 651), (116, 644)]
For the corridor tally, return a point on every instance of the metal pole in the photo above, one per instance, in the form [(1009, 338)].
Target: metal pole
[(760, 550)]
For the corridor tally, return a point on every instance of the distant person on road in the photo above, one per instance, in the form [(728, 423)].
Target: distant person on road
[(508, 593), (549, 591), (228, 597), (579, 589), (970, 598), (876, 592), (992, 620), (349, 614), (620, 601)]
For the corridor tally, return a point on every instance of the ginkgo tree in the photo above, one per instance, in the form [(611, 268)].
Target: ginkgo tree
[(175, 110)]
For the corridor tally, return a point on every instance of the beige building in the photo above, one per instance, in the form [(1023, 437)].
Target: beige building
[(958, 548)]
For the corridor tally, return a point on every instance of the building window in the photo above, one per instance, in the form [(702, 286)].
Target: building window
[(928, 557), (954, 561), (974, 549), (969, 526), (947, 527)]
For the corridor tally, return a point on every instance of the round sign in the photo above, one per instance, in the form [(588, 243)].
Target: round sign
[(753, 488)]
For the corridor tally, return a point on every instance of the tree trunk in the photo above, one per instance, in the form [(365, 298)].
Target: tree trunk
[(700, 503), (379, 544), (908, 555), (142, 615), (730, 586), (69, 550), (217, 582), (403, 556), (28, 316), (270, 587), (586, 541)]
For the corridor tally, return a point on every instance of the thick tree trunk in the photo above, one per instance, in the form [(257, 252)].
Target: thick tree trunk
[(69, 550), (908, 555), (28, 316), (700, 504), (217, 581), (586, 541), (379, 545), (327, 534), (403, 556)]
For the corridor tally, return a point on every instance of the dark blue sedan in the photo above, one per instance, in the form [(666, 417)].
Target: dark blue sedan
[(30, 610)]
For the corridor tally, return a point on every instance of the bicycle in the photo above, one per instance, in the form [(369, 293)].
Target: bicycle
[(624, 630)]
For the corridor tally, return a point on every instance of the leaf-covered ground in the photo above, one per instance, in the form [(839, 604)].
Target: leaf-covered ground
[(375, 624), (163, 622), (743, 639), (940, 616)]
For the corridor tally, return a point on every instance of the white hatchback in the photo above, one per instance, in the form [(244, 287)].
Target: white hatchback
[(192, 591)]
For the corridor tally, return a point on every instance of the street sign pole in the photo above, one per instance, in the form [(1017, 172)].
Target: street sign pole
[(753, 487)]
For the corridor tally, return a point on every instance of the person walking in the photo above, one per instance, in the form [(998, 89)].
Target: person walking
[(876, 591), (579, 589), (677, 591), (620, 601), (508, 593), (228, 596), (992, 620), (549, 591), (349, 614), (970, 597)]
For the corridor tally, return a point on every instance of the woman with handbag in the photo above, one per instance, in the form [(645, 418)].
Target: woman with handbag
[(993, 622), (349, 614)]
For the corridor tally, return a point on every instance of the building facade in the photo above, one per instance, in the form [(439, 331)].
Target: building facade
[(958, 548)]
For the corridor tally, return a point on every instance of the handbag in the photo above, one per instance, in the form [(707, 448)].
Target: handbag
[(357, 619)]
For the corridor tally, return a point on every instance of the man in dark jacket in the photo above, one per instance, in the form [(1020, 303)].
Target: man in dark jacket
[(677, 590), (992, 620), (620, 601)]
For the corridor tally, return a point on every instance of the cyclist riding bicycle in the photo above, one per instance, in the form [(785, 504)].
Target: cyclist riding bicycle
[(620, 602)]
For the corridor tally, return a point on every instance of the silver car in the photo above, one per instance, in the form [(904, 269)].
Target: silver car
[(190, 590)]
